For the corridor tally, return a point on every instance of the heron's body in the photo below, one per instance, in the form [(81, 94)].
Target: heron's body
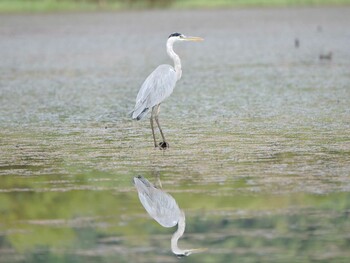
[(156, 88), (159, 85)]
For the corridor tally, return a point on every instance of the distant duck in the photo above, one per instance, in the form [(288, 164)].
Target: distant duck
[(296, 43), (327, 56)]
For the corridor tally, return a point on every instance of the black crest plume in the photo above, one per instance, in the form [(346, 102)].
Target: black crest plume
[(175, 35)]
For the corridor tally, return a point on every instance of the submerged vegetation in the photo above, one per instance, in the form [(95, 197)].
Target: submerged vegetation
[(95, 5)]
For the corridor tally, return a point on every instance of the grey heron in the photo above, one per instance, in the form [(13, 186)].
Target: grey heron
[(158, 86), (163, 208)]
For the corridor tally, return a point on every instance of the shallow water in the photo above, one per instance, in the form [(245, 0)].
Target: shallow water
[(259, 154)]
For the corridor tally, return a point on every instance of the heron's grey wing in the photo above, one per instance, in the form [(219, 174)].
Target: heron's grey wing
[(156, 88), (161, 206), (167, 210)]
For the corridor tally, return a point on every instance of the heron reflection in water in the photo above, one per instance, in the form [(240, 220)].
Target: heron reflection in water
[(163, 208)]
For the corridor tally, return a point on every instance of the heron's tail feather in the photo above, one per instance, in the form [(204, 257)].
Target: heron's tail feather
[(137, 115)]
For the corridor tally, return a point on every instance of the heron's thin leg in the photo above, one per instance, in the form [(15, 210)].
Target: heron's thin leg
[(157, 121), (154, 137)]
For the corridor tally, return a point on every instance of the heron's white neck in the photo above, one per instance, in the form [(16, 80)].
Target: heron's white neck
[(181, 224), (175, 238), (175, 57)]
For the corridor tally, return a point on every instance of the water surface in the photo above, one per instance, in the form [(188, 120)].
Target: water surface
[(258, 132)]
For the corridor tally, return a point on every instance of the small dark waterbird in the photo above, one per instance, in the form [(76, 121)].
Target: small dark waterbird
[(158, 86), (296, 43), (327, 56)]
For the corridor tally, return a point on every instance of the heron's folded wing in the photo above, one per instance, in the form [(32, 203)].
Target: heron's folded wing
[(157, 87)]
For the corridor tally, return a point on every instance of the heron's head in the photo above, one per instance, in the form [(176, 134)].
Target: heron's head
[(174, 37)]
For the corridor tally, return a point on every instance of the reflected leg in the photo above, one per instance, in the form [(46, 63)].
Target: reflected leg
[(158, 184)]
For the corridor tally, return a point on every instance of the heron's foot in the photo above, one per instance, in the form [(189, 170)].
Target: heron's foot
[(163, 145)]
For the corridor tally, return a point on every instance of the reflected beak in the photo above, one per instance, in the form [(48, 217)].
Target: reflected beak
[(193, 39), (198, 250)]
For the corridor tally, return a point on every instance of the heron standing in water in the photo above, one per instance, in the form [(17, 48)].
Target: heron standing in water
[(163, 208), (158, 86)]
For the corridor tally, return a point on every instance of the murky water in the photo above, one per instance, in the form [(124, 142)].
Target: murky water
[(259, 154)]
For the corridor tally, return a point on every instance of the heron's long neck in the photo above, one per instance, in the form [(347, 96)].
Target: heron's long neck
[(175, 57), (180, 231)]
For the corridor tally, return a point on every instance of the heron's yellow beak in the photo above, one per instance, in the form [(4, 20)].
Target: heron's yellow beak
[(193, 39)]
